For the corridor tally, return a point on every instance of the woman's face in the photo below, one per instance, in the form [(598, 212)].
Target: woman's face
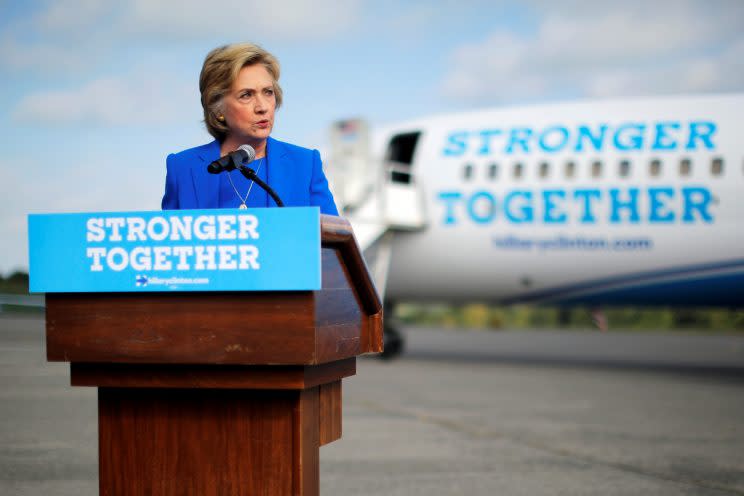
[(249, 105)]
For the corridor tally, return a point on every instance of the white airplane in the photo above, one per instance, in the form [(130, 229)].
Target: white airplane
[(628, 201)]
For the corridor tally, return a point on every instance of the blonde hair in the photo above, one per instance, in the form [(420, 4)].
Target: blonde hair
[(220, 69)]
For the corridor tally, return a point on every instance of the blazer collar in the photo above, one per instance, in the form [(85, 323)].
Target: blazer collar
[(277, 165), (275, 148), (209, 152), (207, 186)]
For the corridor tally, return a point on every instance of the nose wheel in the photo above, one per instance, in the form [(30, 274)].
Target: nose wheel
[(393, 343)]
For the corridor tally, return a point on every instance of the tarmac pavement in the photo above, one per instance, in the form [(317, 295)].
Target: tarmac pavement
[(463, 412)]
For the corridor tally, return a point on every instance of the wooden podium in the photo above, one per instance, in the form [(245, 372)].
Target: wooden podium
[(217, 393)]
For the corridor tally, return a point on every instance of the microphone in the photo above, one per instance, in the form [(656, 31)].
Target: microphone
[(245, 154)]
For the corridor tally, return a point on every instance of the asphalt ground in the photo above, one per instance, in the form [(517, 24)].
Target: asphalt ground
[(462, 412)]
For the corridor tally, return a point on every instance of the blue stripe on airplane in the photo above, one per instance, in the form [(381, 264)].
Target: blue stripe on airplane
[(699, 285)]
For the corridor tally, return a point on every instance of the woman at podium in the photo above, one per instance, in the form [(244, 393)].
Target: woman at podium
[(240, 93)]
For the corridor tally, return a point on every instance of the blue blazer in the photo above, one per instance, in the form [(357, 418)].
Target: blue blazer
[(295, 173)]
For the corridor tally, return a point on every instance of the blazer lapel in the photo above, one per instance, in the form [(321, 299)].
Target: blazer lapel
[(278, 169), (206, 185)]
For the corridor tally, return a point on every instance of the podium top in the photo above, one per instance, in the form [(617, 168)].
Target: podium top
[(336, 232), (341, 320)]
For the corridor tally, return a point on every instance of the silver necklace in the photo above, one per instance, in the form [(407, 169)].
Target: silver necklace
[(243, 206)]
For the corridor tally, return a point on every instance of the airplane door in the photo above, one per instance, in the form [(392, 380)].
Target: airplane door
[(403, 199)]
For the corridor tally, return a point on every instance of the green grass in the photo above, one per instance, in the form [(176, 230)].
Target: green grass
[(478, 315), (21, 310), (482, 316), (15, 283)]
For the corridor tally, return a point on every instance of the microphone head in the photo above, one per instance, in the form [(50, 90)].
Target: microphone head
[(219, 165), (250, 153)]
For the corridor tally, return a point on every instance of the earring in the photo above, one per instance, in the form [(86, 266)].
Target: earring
[(221, 118)]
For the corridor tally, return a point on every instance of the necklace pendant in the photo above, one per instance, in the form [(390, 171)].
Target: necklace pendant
[(243, 206)]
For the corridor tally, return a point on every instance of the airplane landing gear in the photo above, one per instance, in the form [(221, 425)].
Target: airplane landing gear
[(393, 343), (392, 339)]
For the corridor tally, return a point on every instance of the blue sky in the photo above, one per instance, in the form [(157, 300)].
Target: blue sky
[(96, 94)]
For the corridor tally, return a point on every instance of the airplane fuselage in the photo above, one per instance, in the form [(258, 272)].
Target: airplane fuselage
[(631, 201)]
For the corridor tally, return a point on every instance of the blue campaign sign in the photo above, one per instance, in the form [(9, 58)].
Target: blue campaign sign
[(267, 249)]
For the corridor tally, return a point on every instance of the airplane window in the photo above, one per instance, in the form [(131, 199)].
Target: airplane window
[(655, 167), (518, 170), (624, 168), (685, 167), (467, 172), (544, 169), (596, 168), (493, 171), (716, 166), (570, 169)]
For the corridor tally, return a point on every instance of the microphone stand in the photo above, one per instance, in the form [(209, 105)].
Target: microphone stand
[(250, 174)]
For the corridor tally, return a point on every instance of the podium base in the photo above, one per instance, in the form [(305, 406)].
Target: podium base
[(213, 430), (209, 442)]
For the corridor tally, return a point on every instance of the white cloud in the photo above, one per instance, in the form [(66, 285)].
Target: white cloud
[(140, 98), (64, 35), (241, 19), (71, 37), (70, 16), (74, 38), (40, 56), (620, 49)]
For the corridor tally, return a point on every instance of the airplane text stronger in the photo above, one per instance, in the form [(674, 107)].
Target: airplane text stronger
[(624, 137)]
